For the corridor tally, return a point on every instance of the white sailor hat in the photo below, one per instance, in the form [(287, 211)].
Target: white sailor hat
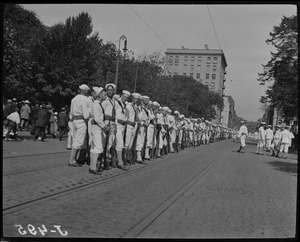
[(84, 87), (155, 104), (169, 110), (176, 112), (181, 116), (145, 98), (150, 102), (136, 95), (110, 84), (97, 90), (242, 121), (126, 93), (55, 113), (26, 101), (165, 108), (263, 122), (116, 96)]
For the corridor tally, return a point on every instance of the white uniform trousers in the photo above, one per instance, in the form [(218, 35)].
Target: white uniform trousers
[(268, 143), (141, 138), (79, 133), (97, 140), (180, 136), (89, 127), (130, 133), (172, 134), (111, 135), (191, 133), (120, 136), (243, 140), (284, 147), (70, 135), (162, 138), (150, 133)]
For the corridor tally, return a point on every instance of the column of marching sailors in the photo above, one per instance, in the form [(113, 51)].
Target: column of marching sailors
[(111, 131)]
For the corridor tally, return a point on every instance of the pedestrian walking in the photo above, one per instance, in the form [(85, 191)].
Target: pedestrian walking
[(62, 122), (12, 124), (269, 137), (242, 134), (41, 123), (285, 141), (261, 139), (275, 145), (25, 115)]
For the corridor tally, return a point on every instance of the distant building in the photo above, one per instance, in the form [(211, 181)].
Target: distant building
[(204, 65), (228, 112)]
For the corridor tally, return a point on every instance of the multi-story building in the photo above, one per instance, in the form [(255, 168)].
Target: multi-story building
[(228, 112), (204, 65)]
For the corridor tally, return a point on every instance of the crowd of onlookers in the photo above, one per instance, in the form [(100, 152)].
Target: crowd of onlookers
[(37, 118)]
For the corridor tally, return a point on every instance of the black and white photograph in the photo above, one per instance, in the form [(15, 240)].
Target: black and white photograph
[(149, 121)]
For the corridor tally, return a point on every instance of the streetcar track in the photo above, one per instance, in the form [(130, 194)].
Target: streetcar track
[(30, 155), (145, 222), (66, 192), (38, 169)]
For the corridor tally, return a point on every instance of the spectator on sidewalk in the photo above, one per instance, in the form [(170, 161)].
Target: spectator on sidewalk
[(25, 115), (50, 125), (55, 123), (13, 123), (62, 121), (34, 114), (42, 121)]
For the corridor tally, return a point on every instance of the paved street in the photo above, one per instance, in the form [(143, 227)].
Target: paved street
[(207, 192)]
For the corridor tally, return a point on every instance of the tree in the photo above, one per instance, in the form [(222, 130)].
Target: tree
[(22, 32), (282, 70)]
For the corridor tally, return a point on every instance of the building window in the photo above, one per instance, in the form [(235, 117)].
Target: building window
[(215, 60), (184, 73), (191, 74), (192, 58), (176, 59), (192, 67), (208, 60), (213, 76), (186, 58), (212, 85), (199, 58), (198, 75), (207, 76), (185, 65), (176, 65), (206, 83), (214, 68), (199, 67), (208, 67)]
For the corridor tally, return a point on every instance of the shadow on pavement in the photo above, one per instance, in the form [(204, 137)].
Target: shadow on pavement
[(284, 166)]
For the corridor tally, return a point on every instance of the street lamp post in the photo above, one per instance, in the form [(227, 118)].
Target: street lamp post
[(123, 37)]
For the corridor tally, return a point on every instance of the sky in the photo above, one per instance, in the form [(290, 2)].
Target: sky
[(240, 31)]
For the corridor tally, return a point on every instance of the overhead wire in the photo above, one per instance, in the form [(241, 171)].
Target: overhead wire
[(148, 26), (212, 22)]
